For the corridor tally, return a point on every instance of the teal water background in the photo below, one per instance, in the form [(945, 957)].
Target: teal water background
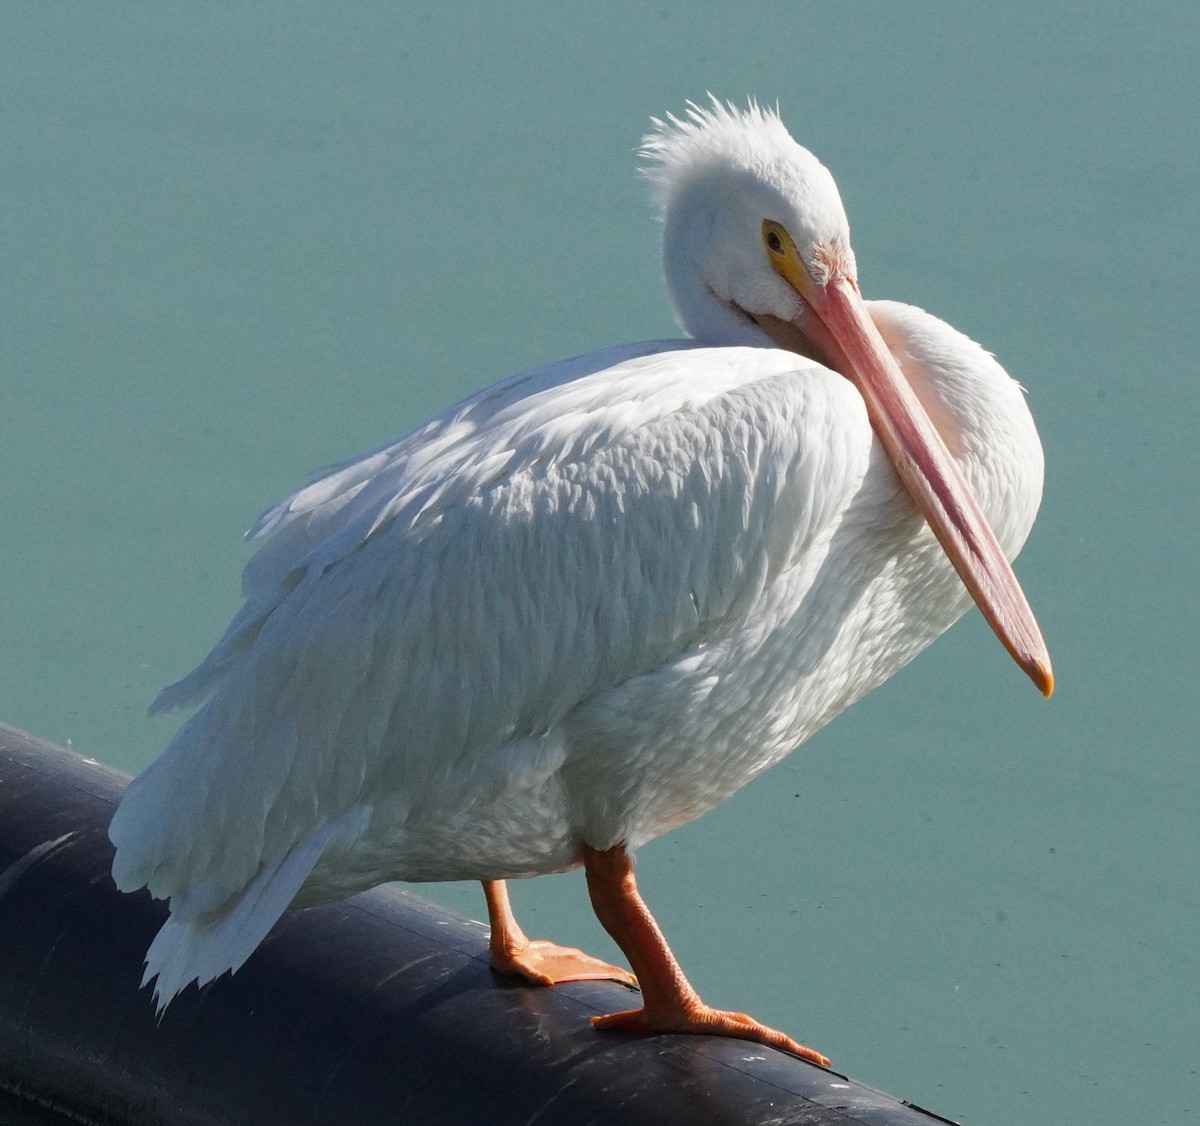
[(241, 240)]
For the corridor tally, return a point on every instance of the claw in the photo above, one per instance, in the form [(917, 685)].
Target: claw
[(545, 963), (700, 1019)]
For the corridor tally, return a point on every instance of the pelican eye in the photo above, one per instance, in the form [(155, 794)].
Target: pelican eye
[(775, 238)]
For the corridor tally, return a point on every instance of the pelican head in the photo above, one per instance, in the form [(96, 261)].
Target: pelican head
[(752, 223), (756, 249)]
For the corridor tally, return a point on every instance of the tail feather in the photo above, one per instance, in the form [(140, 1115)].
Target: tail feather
[(203, 947), (191, 825)]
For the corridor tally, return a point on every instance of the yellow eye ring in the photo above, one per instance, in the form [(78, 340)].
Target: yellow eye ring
[(775, 238), (785, 259)]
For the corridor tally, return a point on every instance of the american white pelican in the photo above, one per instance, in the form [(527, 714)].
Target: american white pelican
[(588, 603)]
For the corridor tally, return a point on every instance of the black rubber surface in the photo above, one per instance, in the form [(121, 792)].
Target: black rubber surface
[(380, 1009)]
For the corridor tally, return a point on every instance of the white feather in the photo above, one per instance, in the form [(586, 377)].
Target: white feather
[(201, 947)]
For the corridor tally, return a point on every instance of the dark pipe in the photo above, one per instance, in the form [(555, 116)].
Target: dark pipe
[(379, 1009)]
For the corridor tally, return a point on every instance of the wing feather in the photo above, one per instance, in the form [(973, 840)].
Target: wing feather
[(426, 604)]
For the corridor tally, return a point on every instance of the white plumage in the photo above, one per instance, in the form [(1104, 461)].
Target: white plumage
[(582, 606)]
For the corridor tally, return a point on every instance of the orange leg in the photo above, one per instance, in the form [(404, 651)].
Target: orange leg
[(543, 963), (670, 1004)]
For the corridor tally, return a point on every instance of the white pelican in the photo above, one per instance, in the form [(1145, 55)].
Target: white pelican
[(588, 603)]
